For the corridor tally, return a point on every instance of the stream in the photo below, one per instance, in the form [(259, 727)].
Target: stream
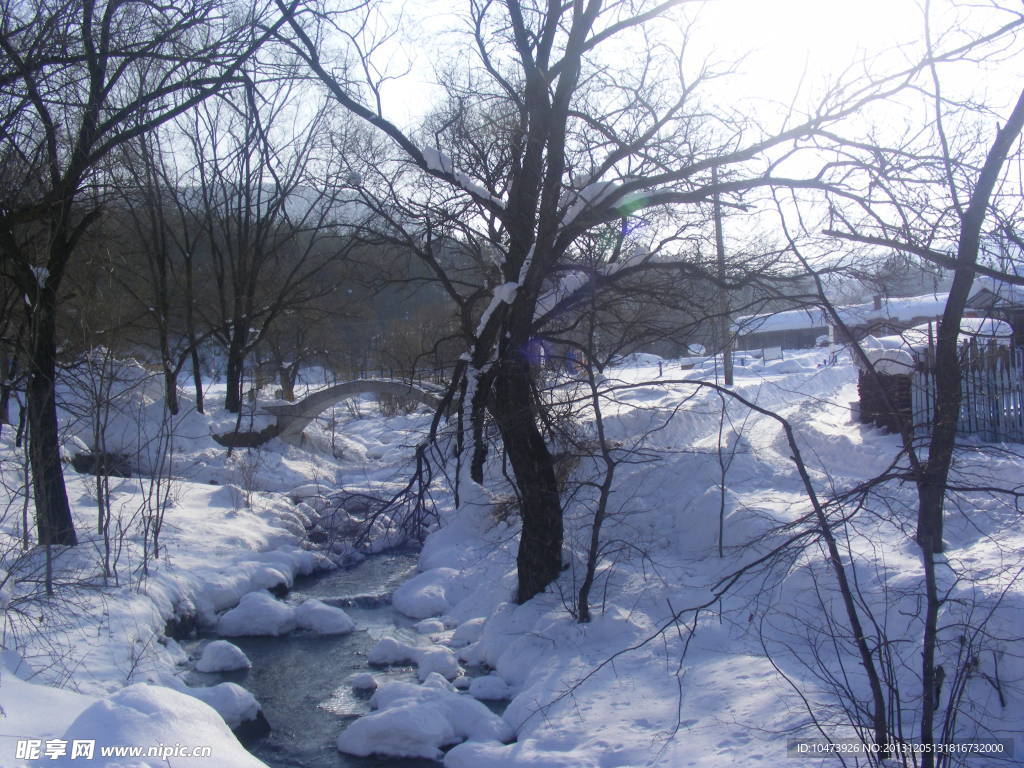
[(300, 679)]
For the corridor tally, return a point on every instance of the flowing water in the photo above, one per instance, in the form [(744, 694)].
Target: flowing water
[(300, 678)]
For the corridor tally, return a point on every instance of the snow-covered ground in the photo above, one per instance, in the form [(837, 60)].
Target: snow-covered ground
[(652, 680)]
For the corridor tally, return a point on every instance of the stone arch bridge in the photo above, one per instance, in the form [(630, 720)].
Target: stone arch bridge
[(293, 418)]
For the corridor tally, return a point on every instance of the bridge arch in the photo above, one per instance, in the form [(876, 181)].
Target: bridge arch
[(293, 418)]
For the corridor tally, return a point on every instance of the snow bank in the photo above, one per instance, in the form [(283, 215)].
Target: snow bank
[(429, 627), (468, 632), (427, 594), (428, 659), (257, 613), (489, 688), (148, 715), (32, 710), (437, 659), (412, 730), (222, 656), (418, 720), (231, 701), (323, 619)]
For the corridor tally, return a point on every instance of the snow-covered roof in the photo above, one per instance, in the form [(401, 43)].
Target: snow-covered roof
[(789, 320), (895, 354), (902, 310), (990, 292)]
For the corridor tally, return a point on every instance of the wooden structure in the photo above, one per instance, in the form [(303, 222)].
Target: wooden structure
[(991, 392)]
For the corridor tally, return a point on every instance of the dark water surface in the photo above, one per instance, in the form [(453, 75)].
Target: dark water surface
[(300, 678)]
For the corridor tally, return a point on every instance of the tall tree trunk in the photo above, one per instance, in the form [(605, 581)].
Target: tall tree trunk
[(287, 381), (197, 377), (235, 370), (53, 513), (540, 545), (171, 389), (190, 326), (932, 486)]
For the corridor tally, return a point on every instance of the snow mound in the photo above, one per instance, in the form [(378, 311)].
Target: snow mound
[(418, 720), (363, 681), (429, 626), (144, 714), (232, 702), (258, 613), (489, 688), (323, 619), (411, 730), (222, 656), (437, 659), (435, 680), (894, 362), (782, 366), (388, 650), (429, 659), (468, 632), (426, 594)]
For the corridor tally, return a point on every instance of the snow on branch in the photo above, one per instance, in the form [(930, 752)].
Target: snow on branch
[(439, 162)]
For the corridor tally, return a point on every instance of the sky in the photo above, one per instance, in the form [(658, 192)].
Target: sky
[(778, 43)]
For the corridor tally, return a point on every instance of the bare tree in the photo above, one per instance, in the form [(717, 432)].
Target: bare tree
[(542, 140), (267, 195), (80, 79), (939, 193)]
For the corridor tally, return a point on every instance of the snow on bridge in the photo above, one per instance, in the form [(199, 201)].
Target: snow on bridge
[(293, 418)]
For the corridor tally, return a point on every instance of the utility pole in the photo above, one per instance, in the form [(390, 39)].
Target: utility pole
[(724, 332)]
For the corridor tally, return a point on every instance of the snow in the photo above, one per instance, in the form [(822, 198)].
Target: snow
[(897, 310), (591, 196), (489, 688), (31, 710), (429, 627), (323, 619), (505, 293), (437, 660), (149, 715), (618, 691), (222, 656), (257, 613), (425, 595), (787, 320), (896, 354), (231, 701), (437, 160), (569, 706), (428, 659), (468, 632), (363, 681), (418, 720), (388, 650), (412, 730), (903, 310), (1005, 294)]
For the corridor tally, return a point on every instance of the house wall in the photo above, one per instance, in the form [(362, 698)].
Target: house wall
[(799, 338)]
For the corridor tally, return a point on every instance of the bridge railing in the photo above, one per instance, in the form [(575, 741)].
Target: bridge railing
[(437, 376)]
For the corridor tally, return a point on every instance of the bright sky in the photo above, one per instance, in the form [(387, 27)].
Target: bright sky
[(779, 43)]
